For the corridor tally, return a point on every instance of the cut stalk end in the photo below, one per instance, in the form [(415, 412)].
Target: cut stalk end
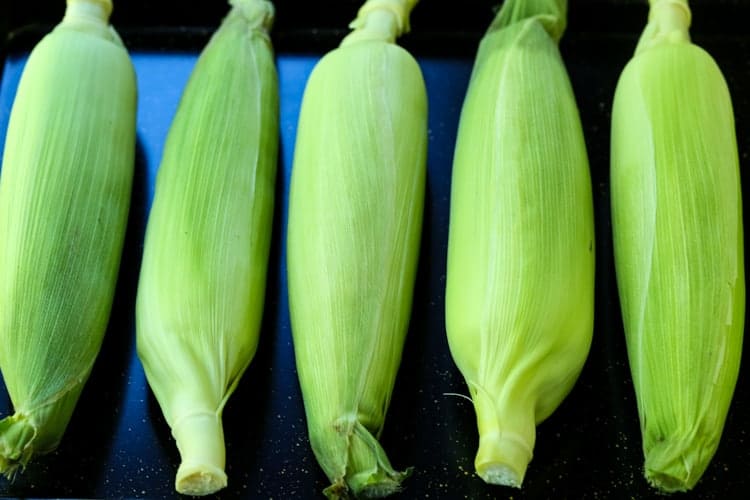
[(256, 14), (91, 17), (92, 11), (378, 20), (199, 479), (506, 438), (502, 459), (200, 439)]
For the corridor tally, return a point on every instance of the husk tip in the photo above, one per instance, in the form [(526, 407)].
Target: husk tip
[(17, 439), (665, 482), (367, 485), (674, 464)]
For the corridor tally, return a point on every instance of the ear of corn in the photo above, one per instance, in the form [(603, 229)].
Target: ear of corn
[(677, 221), (353, 236), (64, 196), (202, 284), (520, 290)]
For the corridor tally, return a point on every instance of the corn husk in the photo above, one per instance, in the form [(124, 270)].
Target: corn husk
[(202, 283), (520, 280), (64, 196), (355, 218), (677, 221)]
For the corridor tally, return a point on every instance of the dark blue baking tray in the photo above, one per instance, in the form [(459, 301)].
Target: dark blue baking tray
[(118, 444)]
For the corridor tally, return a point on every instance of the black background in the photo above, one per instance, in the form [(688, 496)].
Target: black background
[(589, 448)]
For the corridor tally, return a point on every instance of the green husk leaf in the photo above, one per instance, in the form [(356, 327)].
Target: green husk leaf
[(519, 295), (677, 221), (202, 284), (353, 237), (64, 198)]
